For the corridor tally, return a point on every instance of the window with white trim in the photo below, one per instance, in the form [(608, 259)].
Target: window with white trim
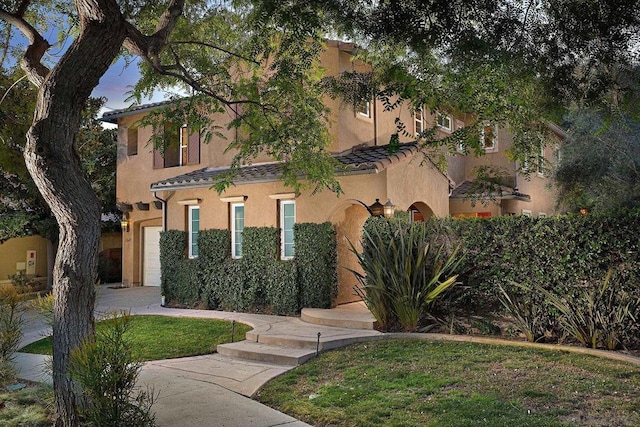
[(444, 122), (489, 137), (363, 109), (418, 121), (541, 160), (542, 215), (237, 227), (526, 212), (181, 146), (194, 229), (287, 221)]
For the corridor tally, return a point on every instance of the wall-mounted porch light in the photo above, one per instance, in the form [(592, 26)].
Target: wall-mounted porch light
[(376, 209), (124, 224), (388, 209)]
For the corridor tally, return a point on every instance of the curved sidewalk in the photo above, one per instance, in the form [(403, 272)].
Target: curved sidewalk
[(211, 389)]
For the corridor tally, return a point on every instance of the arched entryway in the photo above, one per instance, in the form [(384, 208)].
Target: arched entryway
[(348, 223), (420, 211)]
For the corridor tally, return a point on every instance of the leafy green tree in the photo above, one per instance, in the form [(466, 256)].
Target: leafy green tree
[(599, 167), (23, 211), (518, 64), (238, 58), (257, 60)]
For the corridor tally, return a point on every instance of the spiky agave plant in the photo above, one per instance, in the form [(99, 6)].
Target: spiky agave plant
[(404, 275)]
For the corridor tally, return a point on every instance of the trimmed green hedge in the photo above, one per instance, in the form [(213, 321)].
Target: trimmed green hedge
[(316, 263), (259, 281), (562, 254)]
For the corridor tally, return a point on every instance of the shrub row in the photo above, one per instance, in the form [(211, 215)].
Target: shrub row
[(568, 256), (260, 281)]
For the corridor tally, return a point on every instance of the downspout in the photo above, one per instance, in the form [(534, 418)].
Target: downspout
[(375, 122), (164, 211)]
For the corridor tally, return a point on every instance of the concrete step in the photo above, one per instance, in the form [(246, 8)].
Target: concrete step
[(351, 316), (330, 338), (266, 353)]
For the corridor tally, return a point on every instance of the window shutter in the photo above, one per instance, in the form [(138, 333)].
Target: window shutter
[(193, 148)]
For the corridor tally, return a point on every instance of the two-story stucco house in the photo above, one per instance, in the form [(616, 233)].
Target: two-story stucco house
[(173, 191)]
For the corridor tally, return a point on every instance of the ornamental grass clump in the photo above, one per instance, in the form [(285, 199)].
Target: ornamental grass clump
[(404, 273), (527, 315), (597, 317)]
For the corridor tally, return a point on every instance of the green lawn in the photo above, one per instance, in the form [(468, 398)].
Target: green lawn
[(162, 337), (423, 383), (30, 406)]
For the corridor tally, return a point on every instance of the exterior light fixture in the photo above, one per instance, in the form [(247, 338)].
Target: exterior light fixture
[(376, 209), (388, 209), (124, 224), (584, 211)]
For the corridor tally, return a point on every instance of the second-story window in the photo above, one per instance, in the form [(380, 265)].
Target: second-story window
[(541, 160), (444, 122), (418, 120), (363, 109), (489, 137), (181, 147), (132, 141)]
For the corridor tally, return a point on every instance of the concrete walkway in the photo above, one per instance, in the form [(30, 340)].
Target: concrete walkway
[(215, 389)]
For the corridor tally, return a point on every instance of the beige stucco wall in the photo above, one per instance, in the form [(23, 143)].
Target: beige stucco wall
[(406, 183), (15, 250), (467, 207), (135, 173)]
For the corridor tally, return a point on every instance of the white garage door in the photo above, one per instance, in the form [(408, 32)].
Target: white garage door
[(151, 257)]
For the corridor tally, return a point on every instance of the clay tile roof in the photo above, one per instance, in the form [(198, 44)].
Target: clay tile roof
[(359, 160), (112, 116), (468, 189)]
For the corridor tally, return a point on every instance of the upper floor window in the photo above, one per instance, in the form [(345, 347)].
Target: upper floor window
[(489, 137), (418, 120), (181, 147), (363, 109), (132, 141), (287, 221), (237, 227), (193, 230), (541, 160), (445, 122)]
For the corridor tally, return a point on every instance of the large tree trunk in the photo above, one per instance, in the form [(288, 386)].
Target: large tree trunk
[(55, 167)]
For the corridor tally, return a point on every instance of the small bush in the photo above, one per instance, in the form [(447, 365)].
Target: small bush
[(107, 371), (10, 326), (596, 317), (528, 318), (404, 274)]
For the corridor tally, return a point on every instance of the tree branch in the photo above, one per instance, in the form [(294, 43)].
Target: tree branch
[(228, 52), (31, 62)]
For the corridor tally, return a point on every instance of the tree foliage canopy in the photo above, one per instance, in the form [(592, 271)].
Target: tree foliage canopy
[(599, 168)]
